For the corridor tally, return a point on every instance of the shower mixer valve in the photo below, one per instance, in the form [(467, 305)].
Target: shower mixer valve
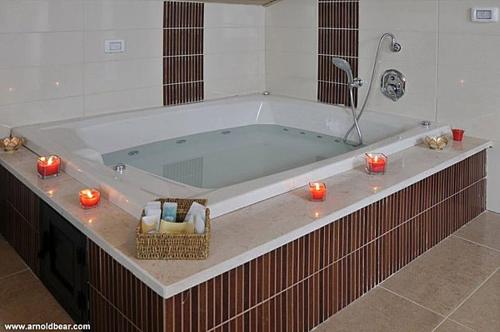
[(393, 84)]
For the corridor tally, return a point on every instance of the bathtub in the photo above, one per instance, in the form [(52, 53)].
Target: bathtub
[(82, 143)]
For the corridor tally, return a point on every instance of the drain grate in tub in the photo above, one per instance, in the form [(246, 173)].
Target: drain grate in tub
[(188, 171)]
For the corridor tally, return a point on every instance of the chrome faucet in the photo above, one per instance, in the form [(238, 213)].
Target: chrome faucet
[(396, 89), (353, 83)]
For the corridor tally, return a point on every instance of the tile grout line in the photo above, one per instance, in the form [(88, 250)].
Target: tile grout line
[(15, 273), (410, 300), (476, 243), (424, 307), (468, 297), (458, 323)]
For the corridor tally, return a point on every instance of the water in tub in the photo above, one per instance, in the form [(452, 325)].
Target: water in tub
[(221, 158)]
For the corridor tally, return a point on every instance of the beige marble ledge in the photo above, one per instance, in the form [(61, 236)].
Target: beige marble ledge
[(245, 234)]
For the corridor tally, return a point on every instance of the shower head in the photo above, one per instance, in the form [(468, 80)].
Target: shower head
[(344, 66)]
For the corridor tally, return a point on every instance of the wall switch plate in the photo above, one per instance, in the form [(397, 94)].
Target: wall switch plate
[(484, 15), (114, 46)]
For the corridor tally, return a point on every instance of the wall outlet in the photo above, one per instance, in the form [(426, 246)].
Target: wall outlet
[(114, 46)]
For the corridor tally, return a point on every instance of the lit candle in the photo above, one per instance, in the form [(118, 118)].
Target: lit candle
[(376, 163), (89, 198), (48, 166), (318, 191)]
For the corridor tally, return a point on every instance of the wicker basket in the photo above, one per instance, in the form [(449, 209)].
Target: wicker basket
[(175, 246)]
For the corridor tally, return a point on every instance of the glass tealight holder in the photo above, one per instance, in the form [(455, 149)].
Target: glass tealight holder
[(48, 166), (318, 191), (90, 198), (376, 163)]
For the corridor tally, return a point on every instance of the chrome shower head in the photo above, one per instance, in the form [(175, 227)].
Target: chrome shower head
[(343, 65), (395, 46)]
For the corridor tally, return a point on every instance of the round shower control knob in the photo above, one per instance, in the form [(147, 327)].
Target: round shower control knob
[(393, 84)]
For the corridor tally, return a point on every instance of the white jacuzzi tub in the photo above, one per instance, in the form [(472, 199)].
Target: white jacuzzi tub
[(82, 143)]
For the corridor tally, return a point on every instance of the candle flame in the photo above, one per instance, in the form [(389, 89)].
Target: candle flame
[(375, 159), (87, 192), (317, 186), (51, 160), (42, 159)]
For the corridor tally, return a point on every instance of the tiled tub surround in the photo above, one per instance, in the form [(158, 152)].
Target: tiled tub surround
[(83, 143), (297, 279), (338, 36)]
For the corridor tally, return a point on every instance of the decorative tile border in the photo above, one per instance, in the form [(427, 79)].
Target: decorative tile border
[(338, 35), (183, 52), (299, 285)]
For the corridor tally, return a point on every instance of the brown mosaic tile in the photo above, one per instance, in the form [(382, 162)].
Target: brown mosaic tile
[(338, 35), (339, 14), (19, 218), (183, 52), (120, 288)]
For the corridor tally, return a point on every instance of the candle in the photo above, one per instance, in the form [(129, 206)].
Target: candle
[(458, 134), (318, 191), (376, 163), (48, 166), (89, 198)]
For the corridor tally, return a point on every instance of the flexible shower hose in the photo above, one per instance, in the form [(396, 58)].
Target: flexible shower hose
[(370, 84)]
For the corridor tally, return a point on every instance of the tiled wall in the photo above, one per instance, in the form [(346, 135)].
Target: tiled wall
[(234, 50), (468, 80), (339, 37), (448, 61), (301, 284), (183, 52), (52, 61), (53, 65), (292, 48)]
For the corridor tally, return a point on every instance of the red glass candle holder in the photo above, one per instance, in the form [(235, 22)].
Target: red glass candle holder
[(458, 134), (376, 163), (89, 198), (318, 191), (48, 166)]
